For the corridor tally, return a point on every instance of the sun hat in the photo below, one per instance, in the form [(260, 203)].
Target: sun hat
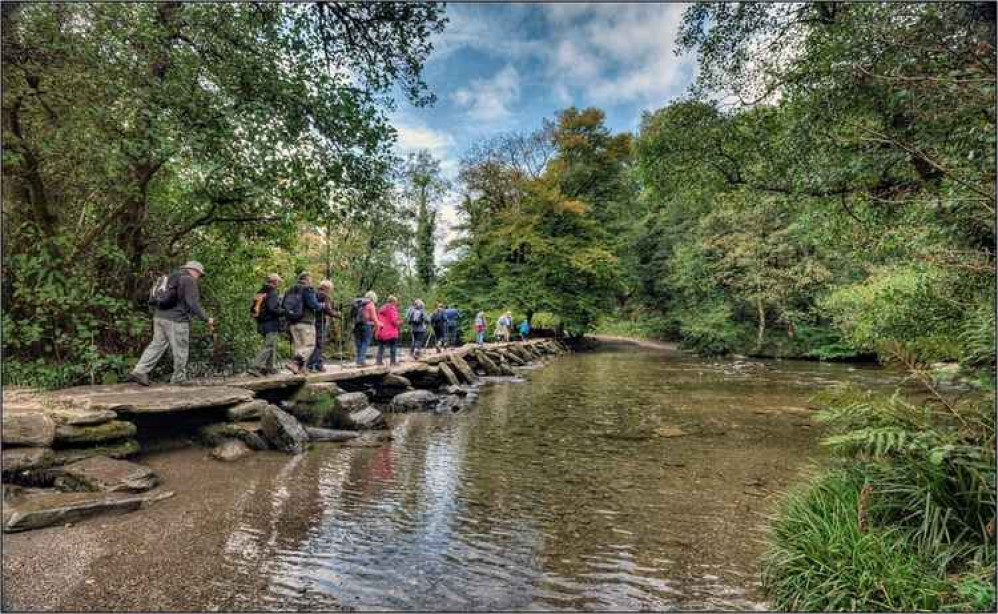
[(194, 265)]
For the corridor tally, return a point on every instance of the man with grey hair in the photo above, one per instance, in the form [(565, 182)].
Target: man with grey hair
[(266, 310), (171, 326)]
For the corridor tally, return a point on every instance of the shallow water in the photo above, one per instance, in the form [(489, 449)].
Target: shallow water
[(621, 479)]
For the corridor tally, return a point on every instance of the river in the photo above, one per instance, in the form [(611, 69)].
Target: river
[(625, 478)]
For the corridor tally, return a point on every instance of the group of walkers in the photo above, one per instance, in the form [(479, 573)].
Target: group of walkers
[(307, 313)]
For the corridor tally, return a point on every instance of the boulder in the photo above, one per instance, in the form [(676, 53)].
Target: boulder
[(415, 400), (114, 449), (104, 474), (109, 431), (249, 433), (27, 428), (20, 459), (458, 390), (395, 381), (486, 363), (320, 434), (449, 374), (231, 450), (506, 369), (369, 440), (462, 369), (450, 404), (35, 512), (247, 410), (352, 401), (283, 431), (367, 418)]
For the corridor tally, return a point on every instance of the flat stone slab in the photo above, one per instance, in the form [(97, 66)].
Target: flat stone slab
[(152, 399), (37, 511), (104, 474), (21, 459), (27, 427), (114, 449), (108, 431), (267, 382)]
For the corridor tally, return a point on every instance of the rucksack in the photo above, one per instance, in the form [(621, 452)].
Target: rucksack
[(417, 316), (294, 306), (357, 311), (259, 303), (163, 294)]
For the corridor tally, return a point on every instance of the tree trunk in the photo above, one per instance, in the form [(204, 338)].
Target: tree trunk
[(762, 324)]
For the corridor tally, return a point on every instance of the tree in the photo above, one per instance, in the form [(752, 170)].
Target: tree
[(136, 133), (425, 184)]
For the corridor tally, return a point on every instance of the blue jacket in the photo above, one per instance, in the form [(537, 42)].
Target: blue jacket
[(452, 316)]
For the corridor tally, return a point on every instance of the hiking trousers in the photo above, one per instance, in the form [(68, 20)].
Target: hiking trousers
[(303, 336), (167, 334), (267, 358)]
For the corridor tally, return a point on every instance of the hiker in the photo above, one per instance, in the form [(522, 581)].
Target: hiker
[(365, 323), (524, 329), (300, 306), (266, 310), (176, 300), (323, 318), (416, 318), (503, 324), (388, 333), (439, 324), (451, 318), (480, 324)]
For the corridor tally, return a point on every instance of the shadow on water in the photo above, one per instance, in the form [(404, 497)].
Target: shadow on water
[(621, 479)]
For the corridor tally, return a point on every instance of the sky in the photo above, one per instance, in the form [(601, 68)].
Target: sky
[(505, 67)]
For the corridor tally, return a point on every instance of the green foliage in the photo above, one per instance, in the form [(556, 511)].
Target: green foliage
[(137, 136), (820, 560)]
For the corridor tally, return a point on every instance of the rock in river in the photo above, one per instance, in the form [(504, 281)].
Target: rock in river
[(114, 449), (416, 400), (247, 410), (231, 450), (367, 418), (34, 512), (449, 375), (105, 474), (352, 401), (27, 428), (283, 431), (320, 434), (109, 431), (462, 368), (247, 432), (20, 459)]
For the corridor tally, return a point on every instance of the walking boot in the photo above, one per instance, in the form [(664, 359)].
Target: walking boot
[(139, 378)]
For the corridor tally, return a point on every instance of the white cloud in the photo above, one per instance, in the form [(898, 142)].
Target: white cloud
[(489, 100), (413, 136)]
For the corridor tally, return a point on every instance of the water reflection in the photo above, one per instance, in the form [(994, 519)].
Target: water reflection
[(624, 479)]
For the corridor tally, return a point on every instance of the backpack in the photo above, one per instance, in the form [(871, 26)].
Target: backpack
[(258, 306), (416, 316), (357, 311), (163, 294), (293, 306)]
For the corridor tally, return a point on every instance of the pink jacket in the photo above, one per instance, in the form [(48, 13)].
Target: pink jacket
[(388, 315)]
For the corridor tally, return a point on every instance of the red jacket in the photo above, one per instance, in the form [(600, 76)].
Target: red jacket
[(388, 315)]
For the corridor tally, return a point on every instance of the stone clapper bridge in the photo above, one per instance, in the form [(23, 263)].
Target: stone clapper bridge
[(63, 451)]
